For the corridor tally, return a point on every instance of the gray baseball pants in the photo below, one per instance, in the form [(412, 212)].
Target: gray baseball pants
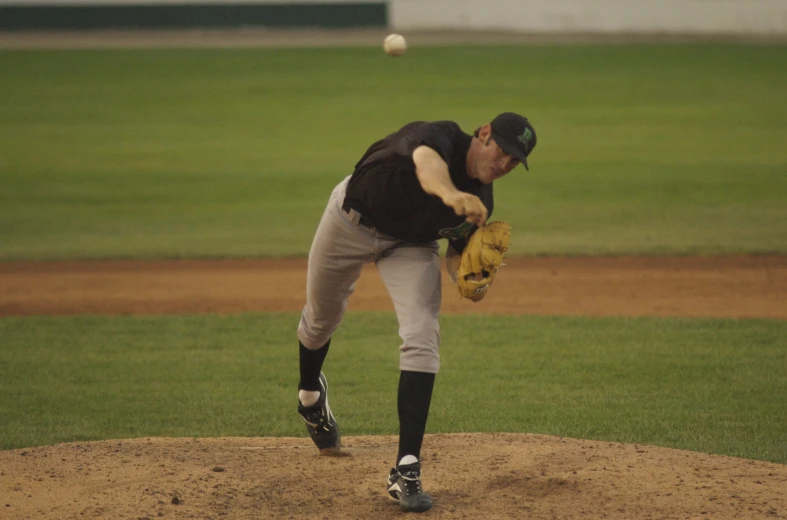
[(410, 272)]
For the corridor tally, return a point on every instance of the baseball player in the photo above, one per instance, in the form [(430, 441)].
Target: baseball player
[(426, 181)]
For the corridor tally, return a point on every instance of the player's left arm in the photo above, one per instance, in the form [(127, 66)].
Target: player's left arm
[(453, 259), (481, 259)]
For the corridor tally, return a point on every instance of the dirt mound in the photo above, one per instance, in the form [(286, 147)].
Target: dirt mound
[(488, 476)]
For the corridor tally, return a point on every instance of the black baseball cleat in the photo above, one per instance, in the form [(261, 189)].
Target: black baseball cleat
[(320, 422), (404, 486)]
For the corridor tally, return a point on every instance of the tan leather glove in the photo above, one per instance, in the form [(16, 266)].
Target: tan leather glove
[(482, 258)]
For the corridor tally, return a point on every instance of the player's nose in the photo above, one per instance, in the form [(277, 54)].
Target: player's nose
[(507, 164)]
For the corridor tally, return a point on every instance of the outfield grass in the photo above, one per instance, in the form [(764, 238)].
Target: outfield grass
[(654, 149), (714, 386)]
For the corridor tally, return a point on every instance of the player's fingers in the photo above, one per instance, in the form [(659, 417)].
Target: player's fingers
[(473, 210), (476, 219), (459, 206), (479, 215)]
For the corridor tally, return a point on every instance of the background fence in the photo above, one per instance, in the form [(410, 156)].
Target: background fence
[(750, 17)]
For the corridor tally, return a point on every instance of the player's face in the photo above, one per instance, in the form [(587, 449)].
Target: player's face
[(493, 162)]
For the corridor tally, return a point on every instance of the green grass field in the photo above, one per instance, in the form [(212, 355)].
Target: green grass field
[(649, 149), (708, 385)]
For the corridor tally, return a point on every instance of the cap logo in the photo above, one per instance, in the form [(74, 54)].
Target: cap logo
[(525, 138)]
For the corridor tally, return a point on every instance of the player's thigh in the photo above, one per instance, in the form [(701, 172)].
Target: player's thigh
[(412, 276), (338, 252)]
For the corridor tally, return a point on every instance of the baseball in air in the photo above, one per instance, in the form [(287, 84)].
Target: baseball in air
[(395, 45)]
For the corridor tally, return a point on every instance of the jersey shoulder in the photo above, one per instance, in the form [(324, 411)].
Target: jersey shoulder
[(445, 137)]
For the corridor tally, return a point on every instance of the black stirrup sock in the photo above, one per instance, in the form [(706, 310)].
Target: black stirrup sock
[(415, 395), (311, 364)]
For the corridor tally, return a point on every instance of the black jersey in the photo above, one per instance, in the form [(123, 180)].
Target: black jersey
[(385, 188)]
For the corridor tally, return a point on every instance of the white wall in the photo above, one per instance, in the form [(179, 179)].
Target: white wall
[(765, 17)]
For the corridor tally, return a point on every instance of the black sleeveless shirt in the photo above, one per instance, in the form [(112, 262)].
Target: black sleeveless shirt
[(385, 189)]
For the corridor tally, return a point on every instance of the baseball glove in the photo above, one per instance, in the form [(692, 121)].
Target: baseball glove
[(481, 259)]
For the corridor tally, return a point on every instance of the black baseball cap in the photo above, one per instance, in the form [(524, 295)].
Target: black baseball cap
[(515, 135)]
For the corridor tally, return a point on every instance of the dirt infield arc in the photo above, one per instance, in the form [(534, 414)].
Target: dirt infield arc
[(743, 286), (494, 476)]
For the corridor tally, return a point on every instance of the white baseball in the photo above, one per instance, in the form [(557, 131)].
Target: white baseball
[(395, 45)]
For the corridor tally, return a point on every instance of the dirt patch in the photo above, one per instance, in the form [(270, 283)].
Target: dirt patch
[(744, 286), (470, 475), (492, 476)]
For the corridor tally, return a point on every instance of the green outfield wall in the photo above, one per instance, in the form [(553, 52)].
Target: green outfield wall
[(164, 15)]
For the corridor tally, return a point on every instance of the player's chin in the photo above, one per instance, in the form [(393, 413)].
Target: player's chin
[(484, 177), (490, 176)]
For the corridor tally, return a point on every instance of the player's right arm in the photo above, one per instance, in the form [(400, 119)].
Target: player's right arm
[(432, 172)]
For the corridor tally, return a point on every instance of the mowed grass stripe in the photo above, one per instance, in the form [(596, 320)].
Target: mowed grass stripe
[(707, 385), (647, 149)]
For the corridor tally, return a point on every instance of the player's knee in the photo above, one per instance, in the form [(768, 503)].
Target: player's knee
[(313, 336), (420, 347), (317, 326)]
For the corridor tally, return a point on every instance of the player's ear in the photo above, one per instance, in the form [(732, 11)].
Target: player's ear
[(485, 134)]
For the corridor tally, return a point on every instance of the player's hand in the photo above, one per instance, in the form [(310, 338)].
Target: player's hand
[(469, 206)]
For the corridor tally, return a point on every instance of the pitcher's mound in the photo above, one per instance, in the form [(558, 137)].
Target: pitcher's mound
[(485, 476)]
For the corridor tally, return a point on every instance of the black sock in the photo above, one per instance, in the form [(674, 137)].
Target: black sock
[(311, 365), (415, 395)]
